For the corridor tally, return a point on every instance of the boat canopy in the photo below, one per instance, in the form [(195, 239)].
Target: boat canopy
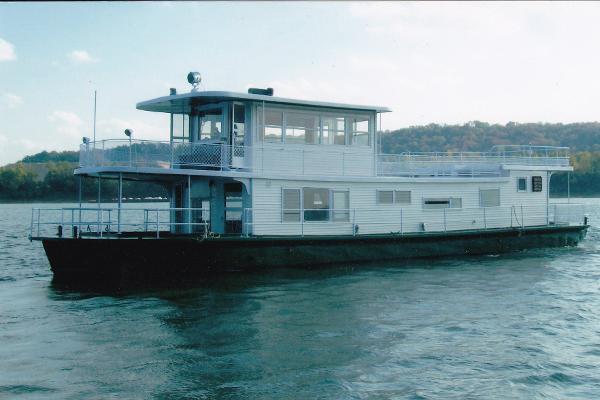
[(184, 103)]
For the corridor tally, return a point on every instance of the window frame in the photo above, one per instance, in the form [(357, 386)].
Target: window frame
[(447, 200), (394, 197), (343, 211), (481, 198), (348, 116), (283, 209), (524, 178)]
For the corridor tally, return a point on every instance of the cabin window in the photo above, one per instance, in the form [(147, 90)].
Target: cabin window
[(521, 184), (211, 125), (341, 205), (301, 128), (291, 205), (393, 196), (360, 131), (440, 203), (272, 129), (536, 183), (385, 197), (316, 204), (489, 198), (333, 131), (402, 196), (180, 124)]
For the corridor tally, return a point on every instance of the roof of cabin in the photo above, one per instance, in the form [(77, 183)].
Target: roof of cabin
[(182, 103)]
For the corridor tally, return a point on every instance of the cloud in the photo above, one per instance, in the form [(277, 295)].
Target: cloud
[(7, 51), (12, 100), (67, 123), (81, 57)]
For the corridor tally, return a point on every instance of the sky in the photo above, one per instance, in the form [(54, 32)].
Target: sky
[(430, 62)]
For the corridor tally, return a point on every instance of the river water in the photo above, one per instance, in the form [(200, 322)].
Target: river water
[(524, 325)]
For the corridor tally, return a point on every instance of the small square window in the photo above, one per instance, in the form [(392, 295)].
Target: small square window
[(385, 197), (402, 196), (521, 184)]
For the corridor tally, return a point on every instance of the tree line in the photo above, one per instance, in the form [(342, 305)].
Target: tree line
[(20, 182)]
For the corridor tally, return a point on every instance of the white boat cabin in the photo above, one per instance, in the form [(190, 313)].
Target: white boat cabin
[(259, 165)]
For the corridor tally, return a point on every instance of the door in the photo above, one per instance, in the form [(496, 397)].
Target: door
[(238, 133), (233, 207)]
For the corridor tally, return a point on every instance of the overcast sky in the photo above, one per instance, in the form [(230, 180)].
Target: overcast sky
[(429, 62)]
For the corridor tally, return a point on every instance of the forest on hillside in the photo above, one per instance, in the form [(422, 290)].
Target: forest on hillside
[(22, 181)]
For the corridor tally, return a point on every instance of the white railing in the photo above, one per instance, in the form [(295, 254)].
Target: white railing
[(470, 163), (107, 222), (313, 160), (155, 222)]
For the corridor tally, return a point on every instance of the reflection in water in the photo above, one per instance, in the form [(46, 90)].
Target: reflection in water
[(512, 326)]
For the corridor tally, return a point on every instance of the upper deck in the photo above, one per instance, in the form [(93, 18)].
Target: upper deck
[(262, 135)]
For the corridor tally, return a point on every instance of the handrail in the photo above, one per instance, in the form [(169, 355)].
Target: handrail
[(99, 222), (290, 159)]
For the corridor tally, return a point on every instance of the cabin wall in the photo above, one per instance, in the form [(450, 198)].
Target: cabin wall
[(315, 160), (371, 217)]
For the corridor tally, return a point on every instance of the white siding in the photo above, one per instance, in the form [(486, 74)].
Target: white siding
[(384, 218)]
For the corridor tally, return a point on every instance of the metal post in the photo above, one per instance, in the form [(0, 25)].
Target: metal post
[(130, 160), (120, 201), (522, 221), (401, 221), (157, 225), (38, 222), (484, 219), (80, 194), (31, 227), (189, 203), (94, 118), (99, 205), (568, 187), (444, 220)]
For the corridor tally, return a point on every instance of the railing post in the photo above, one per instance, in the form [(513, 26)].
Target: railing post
[(484, 219), (38, 222), (522, 221), (146, 220), (157, 225), (354, 222), (444, 220), (402, 221), (31, 224)]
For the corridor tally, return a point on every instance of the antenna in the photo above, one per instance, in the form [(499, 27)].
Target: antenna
[(94, 116)]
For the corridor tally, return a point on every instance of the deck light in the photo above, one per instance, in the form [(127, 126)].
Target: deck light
[(86, 140), (194, 79)]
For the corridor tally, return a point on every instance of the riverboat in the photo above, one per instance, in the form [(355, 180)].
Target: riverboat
[(257, 181)]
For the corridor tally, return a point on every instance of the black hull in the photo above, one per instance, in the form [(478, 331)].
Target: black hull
[(178, 257)]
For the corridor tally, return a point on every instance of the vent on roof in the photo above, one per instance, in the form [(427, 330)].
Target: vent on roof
[(264, 92)]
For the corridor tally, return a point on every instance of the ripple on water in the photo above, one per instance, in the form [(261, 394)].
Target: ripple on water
[(505, 326)]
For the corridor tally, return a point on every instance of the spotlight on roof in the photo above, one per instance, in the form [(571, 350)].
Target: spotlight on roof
[(194, 79), (128, 133), (86, 140)]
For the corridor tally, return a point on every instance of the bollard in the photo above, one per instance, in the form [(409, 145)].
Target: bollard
[(60, 231)]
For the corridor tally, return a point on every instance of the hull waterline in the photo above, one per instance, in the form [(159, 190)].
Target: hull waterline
[(180, 257)]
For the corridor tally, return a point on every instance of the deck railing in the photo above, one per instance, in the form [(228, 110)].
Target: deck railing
[(310, 160), (100, 222), (470, 163)]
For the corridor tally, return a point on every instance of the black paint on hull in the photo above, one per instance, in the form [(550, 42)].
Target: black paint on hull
[(178, 257)]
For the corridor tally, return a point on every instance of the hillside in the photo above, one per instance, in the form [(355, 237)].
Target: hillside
[(49, 175), (481, 136)]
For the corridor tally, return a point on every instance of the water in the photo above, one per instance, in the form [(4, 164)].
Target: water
[(524, 326)]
